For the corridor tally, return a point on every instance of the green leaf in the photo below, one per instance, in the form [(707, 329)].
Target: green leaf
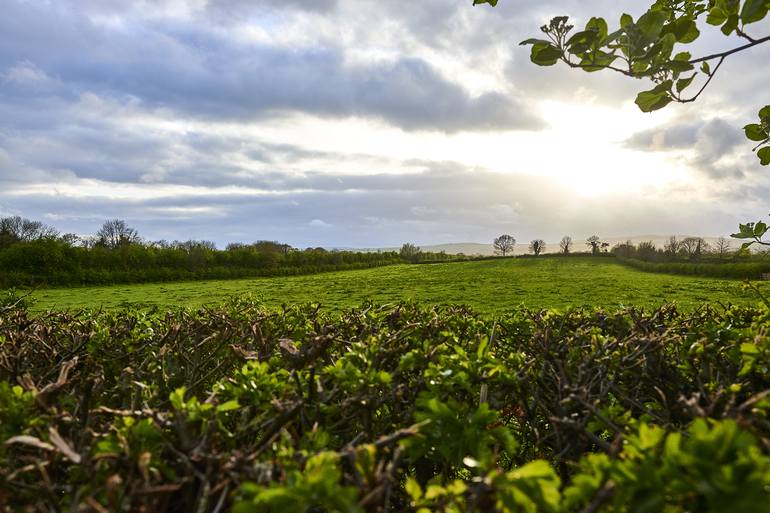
[(228, 406), (597, 60), (413, 488), (177, 398), (764, 156), (656, 98), (493, 3), (760, 229), (626, 20), (534, 41), (753, 11), (545, 54), (651, 24), (756, 132), (764, 114), (705, 68), (649, 102), (599, 26), (732, 23), (679, 66), (685, 30), (684, 83), (716, 16)]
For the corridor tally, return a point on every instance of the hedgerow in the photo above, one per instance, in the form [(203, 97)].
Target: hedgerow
[(384, 408), (738, 270)]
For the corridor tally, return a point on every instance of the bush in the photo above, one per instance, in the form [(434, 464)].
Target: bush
[(399, 408)]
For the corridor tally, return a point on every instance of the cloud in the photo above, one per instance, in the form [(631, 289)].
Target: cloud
[(25, 73), (715, 148), (317, 223), (202, 72), (349, 123)]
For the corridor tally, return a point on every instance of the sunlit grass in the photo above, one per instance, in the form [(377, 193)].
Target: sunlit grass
[(491, 286)]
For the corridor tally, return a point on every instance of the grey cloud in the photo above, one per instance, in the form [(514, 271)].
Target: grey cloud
[(231, 8), (442, 202), (679, 136), (718, 147), (204, 73)]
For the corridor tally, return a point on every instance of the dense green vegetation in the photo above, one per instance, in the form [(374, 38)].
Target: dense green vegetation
[(53, 262), (735, 270), (491, 286), (34, 254), (399, 408)]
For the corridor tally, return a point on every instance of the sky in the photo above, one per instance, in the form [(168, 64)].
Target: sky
[(357, 123)]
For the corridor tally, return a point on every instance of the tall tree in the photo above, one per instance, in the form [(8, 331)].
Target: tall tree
[(116, 233), (410, 252), (595, 243), (672, 246), (693, 247), (18, 229), (565, 245), (504, 244), (537, 246), (722, 247)]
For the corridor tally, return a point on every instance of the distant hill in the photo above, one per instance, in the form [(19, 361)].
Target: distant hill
[(476, 248)]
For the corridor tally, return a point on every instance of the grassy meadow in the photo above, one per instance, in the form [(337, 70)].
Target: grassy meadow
[(490, 286)]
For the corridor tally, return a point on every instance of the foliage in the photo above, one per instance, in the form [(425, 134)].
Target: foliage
[(57, 263), (396, 408), (17, 229), (537, 246), (410, 252), (741, 270)]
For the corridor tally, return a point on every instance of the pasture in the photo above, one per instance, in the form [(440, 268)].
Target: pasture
[(491, 286)]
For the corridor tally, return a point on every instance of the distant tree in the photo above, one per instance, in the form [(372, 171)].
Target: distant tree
[(504, 244), (410, 252), (693, 247), (194, 245), (537, 246), (722, 247), (565, 245), (116, 233), (269, 247), (17, 229), (595, 243), (625, 249), (672, 247), (71, 239), (646, 250)]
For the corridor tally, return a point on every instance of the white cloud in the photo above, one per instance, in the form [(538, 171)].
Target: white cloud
[(25, 73)]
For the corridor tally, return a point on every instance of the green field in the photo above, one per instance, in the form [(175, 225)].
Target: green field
[(490, 286)]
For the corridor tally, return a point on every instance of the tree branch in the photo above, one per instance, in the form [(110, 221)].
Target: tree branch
[(728, 53), (711, 77)]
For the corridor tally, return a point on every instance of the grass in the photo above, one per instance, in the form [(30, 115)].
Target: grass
[(490, 286)]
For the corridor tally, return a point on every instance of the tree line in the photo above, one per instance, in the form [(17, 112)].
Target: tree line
[(32, 254), (505, 244)]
